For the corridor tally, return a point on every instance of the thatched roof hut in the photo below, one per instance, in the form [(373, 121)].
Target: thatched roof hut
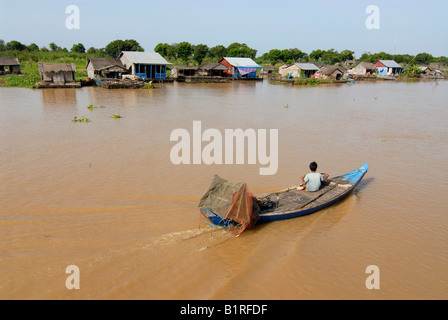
[(105, 68), (57, 73), (363, 69), (12, 63), (212, 69), (331, 72), (183, 71)]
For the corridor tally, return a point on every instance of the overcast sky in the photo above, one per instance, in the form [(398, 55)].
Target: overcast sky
[(405, 26)]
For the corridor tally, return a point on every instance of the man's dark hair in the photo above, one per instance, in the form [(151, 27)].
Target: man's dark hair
[(313, 166)]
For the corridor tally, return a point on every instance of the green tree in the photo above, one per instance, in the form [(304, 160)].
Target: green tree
[(114, 48), (184, 51), (218, 52), (53, 46), (200, 51), (346, 55), (78, 48), (317, 54), (241, 50), (297, 54), (2, 45), (92, 50), (424, 58), (274, 55), (165, 50), (15, 45), (33, 47)]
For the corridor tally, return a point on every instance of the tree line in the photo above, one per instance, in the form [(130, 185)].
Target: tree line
[(187, 53)]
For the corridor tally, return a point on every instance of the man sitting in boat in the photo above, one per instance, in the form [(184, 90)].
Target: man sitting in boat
[(312, 181)]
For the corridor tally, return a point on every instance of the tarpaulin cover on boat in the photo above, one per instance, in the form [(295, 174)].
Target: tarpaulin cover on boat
[(231, 201)]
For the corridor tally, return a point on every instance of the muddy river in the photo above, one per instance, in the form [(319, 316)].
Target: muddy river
[(106, 197)]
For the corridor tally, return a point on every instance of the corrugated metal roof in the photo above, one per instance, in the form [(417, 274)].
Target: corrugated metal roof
[(242, 62), (307, 66), (144, 57), (390, 63)]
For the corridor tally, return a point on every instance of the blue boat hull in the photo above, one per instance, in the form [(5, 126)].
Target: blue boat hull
[(353, 179)]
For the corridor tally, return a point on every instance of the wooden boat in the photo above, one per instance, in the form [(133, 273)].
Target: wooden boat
[(291, 203)]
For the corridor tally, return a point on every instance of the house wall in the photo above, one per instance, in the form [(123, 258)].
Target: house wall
[(359, 70), (230, 68), (336, 75), (293, 70)]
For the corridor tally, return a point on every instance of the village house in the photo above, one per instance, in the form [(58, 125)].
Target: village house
[(57, 74), (9, 65), (179, 72), (281, 69), (365, 69), (242, 68), (145, 65), (212, 69), (106, 68), (318, 64), (428, 72), (268, 70), (305, 70), (331, 72), (388, 67), (349, 63)]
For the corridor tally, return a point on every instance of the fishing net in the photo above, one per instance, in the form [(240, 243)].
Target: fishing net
[(231, 201)]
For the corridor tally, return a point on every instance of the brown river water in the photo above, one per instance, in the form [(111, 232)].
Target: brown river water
[(106, 197)]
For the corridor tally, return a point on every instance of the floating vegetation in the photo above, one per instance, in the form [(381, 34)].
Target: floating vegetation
[(286, 107), (91, 107), (115, 116), (83, 119), (148, 86)]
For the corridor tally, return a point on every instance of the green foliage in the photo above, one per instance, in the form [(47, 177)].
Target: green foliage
[(165, 49), (286, 55), (218, 52), (33, 47), (53, 46), (184, 51), (114, 48), (307, 81), (78, 48), (241, 50), (115, 116), (91, 107), (200, 51), (412, 72), (83, 119), (424, 58), (15, 45), (15, 80)]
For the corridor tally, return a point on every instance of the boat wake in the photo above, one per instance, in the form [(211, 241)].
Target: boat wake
[(199, 235)]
